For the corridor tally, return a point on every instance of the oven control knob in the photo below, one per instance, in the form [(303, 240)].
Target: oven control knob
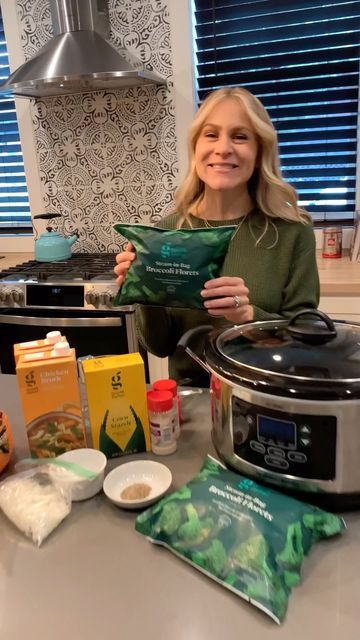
[(91, 297), (5, 294), (108, 298), (17, 295)]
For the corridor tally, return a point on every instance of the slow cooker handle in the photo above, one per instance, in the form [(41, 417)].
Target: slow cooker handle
[(312, 334), (187, 338)]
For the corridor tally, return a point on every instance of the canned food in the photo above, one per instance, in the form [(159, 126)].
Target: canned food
[(332, 242)]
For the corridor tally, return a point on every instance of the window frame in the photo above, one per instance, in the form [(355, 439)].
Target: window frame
[(183, 66), (183, 58), (208, 66), (184, 21), (19, 241)]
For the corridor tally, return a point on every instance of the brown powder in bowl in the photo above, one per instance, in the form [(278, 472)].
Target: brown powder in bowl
[(136, 491)]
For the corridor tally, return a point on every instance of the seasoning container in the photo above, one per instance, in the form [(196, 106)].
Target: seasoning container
[(161, 418), (332, 242), (170, 385)]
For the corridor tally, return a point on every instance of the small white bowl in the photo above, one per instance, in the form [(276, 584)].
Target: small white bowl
[(90, 459), (155, 474)]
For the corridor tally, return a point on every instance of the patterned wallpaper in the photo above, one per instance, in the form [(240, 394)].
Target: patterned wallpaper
[(106, 157)]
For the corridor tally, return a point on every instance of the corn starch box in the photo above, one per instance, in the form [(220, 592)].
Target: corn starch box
[(116, 395), (50, 399)]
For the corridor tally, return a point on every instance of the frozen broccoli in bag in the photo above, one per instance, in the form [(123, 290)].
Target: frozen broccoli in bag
[(172, 265), (249, 538)]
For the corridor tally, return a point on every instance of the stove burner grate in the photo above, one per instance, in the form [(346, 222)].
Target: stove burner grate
[(80, 267)]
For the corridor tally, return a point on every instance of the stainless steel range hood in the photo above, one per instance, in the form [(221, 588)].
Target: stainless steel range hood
[(77, 58)]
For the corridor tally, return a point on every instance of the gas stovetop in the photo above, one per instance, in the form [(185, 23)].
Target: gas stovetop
[(84, 281)]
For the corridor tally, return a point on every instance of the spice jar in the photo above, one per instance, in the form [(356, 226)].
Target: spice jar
[(170, 385), (161, 418)]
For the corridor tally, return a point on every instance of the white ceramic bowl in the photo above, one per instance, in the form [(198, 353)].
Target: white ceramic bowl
[(154, 474), (92, 460)]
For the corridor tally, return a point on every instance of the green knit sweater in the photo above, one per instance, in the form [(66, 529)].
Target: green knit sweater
[(282, 279)]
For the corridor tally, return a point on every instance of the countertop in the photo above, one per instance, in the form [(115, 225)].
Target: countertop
[(11, 259), (95, 577), (338, 277)]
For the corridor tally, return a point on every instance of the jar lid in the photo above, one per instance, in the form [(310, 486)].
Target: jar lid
[(159, 400), (166, 385)]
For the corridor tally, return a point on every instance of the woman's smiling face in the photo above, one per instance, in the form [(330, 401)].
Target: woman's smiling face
[(227, 148)]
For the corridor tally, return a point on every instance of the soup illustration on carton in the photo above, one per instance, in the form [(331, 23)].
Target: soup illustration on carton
[(55, 433), (50, 399), (116, 397)]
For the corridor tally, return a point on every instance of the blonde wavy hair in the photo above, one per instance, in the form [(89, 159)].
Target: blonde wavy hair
[(274, 197)]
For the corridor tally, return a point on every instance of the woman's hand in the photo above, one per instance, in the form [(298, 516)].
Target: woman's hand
[(123, 262), (228, 297)]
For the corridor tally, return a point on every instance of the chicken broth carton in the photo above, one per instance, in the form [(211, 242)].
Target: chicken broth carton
[(116, 398), (50, 399), (33, 346)]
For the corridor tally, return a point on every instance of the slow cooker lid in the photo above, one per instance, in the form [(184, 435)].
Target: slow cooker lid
[(309, 346)]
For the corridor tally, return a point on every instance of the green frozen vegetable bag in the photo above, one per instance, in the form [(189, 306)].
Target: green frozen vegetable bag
[(249, 538), (171, 266)]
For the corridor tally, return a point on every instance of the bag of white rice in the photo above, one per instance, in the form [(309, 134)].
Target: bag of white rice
[(35, 502)]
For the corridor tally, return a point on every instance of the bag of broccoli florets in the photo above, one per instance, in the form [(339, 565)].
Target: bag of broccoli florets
[(171, 266), (249, 538)]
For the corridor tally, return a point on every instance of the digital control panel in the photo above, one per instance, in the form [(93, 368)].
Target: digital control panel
[(299, 445), (273, 430), (55, 296)]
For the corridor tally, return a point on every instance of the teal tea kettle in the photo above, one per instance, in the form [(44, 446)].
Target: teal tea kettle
[(51, 246)]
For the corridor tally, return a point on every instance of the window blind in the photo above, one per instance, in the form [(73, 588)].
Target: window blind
[(14, 202), (301, 59)]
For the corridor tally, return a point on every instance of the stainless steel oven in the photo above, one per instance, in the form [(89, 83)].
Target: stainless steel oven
[(98, 333), (75, 297)]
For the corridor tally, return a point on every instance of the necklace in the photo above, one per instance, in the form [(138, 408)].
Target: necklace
[(212, 226), (207, 224)]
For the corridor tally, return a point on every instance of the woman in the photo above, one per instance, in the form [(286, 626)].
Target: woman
[(234, 178)]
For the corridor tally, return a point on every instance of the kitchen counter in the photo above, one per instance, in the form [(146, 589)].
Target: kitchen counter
[(11, 259), (338, 277), (96, 577)]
